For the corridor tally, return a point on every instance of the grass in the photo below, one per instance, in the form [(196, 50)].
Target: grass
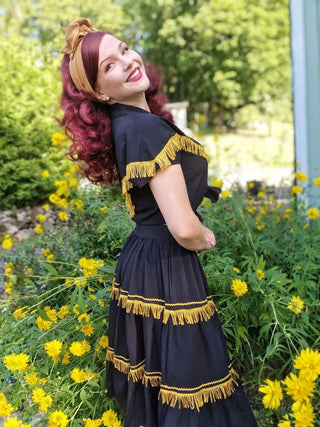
[(265, 154)]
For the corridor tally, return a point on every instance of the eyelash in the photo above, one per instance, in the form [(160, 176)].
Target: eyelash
[(126, 48)]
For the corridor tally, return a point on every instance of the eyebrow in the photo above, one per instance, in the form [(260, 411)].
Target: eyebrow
[(105, 59)]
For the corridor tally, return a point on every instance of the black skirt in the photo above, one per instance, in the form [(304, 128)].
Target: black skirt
[(167, 360)]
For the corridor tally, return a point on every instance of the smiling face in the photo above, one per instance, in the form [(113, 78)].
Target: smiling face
[(121, 73)]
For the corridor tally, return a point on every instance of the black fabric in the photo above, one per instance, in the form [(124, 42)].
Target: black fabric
[(166, 346)]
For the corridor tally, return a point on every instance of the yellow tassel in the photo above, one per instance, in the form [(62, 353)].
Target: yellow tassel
[(145, 307), (163, 160), (196, 399)]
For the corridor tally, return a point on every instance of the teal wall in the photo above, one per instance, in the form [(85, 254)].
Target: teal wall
[(305, 43)]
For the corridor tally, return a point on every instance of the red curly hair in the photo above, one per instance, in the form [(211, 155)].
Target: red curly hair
[(88, 124)]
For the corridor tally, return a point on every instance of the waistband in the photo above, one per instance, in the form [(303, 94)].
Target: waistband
[(159, 232)]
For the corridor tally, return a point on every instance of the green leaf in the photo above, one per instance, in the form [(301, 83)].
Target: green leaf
[(73, 297), (50, 269), (80, 299)]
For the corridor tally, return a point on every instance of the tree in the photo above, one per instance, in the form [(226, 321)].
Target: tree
[(223, 53)]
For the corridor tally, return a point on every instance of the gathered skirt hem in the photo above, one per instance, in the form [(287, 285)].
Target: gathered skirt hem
[(182, 397)]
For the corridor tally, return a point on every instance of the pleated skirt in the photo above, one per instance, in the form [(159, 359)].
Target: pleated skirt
[(167, 360)]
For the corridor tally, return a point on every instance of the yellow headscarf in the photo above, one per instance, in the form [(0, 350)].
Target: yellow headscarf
[(75, 33)]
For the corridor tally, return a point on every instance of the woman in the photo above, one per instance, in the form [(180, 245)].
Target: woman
[(167, 361)]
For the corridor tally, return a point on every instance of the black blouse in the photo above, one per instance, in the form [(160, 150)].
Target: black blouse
[(145, 143)]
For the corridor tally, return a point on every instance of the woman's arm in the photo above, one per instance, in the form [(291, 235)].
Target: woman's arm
[(170, 192)]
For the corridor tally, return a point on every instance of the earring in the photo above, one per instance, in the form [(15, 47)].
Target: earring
[(106, 98)]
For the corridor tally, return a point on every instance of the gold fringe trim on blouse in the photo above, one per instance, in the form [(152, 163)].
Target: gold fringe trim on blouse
[(192, 398), (163, 160), (180, 313)]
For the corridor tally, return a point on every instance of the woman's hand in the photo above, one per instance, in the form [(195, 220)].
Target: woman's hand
[(210, 237)]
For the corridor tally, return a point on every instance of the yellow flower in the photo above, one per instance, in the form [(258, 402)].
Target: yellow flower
[(38, 229), (17, 362), (300, 176), (78, 348), (73, 168), (216, 182), (57, 139), (316, 181), (296, 189), (296, 305), (285, 422), (84, 316), (313, 213), (63, 203), (41, 218), (103, 341), (45, 403), (260, 274), (272, 394), (79, 375), (90, 266), (19, 313), (261, 227), (45, 173), (236, 270), (104, 209), (63, 216), (80, 282), (63, 312), (14, 422), (5, 407), (8, 269), (93, 297), (225, 194), (304, 416), (9, 288), (38, 394), (298, 387), (53, 349), (87, 329), (31, 379), (52, 314), (43, 325), (66, 358), (261, 194), (7, 242), (92, 423), (239, 287), (75, 309), (58, 419), (308, 362), (109, 418), (307, 225), (54, 199), (101, 302), (46, 207)]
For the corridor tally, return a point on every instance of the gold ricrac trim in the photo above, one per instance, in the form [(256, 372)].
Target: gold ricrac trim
[(163, 160), (180, 313), (196, 397), (192, 398)]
